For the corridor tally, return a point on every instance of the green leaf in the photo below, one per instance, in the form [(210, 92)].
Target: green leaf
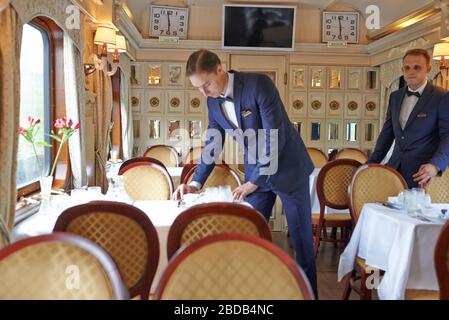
[(44, 144)]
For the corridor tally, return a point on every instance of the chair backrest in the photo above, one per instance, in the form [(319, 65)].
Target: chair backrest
[(165, 154), (147, 181), (141, 159), (333, 182), (208, 219), (58, 266), (373, 183), (318, 157), (194, 155), (442, 262), (352, 153), (233, 267), (438, 188), (124, 232), (221, 175)]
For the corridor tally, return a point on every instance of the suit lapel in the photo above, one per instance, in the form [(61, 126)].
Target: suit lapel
[(399, 106), (422, 102), (221, 114), (238, 89)]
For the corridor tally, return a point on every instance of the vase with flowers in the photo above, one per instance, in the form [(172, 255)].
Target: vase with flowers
[(65, 129)]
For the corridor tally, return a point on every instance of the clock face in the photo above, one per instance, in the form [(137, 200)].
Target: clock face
[(341, 26), (169, 21)]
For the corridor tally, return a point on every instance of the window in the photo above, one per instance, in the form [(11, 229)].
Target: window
[(42, 94), (34, 101)]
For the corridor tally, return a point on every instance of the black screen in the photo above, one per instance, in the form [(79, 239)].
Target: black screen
[(258, 27)]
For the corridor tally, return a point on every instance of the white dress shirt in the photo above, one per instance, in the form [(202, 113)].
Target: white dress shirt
[(228, 108), (408, 104)]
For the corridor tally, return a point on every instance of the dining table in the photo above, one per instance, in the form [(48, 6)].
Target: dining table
[(400, 244)]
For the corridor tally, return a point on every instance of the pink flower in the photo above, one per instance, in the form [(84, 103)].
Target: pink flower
[(37, 121), (70, 123), (59, 123), (22, 131), (77, 126)]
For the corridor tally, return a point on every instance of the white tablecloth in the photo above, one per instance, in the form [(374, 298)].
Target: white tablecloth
[(315, 203), (400, 245), (161, 213)]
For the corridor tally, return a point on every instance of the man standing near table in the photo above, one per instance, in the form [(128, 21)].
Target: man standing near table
[(248, 106), (418, 120)]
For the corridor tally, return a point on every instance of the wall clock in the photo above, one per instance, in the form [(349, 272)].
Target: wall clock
[(169, 21), (340, 26)]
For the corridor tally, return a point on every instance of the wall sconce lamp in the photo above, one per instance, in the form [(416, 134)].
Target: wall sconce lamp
[(109, 42), (441, 52)]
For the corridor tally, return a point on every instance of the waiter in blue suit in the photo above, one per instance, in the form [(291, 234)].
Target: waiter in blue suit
[(418, 120), (248, 107)]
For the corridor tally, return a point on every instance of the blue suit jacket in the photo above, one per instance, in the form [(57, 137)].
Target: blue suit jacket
[(258, 106), (425, 137)]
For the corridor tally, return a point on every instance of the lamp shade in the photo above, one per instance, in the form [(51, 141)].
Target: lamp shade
[(105, 35), (120, 45), (441, 50)]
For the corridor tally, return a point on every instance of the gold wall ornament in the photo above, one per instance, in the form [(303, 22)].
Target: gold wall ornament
[(195, 103), (154, 102), (175, 102), (352, 105), (298, 104), (135, 101), (334, 105), (316, 105), (370, 106)]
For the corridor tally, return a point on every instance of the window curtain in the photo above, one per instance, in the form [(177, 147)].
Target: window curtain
[(73, 81), (127, 117), (11, 35), (103, 113), (3, 4)]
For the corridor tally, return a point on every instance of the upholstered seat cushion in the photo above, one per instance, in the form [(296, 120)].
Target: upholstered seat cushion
[(331, 217)]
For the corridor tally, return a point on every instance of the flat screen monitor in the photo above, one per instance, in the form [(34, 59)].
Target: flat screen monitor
[(258, 27)]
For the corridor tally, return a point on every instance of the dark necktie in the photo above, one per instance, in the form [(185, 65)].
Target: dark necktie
[(411, 93)]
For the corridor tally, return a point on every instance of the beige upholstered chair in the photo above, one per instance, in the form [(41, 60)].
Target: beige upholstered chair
[(209, 219), (125, 232), (165, 154), (373, 183), (233, 267), (318, 157), (332, 189), (147, 181), (370, 183), (438, 188), (58, 266), (352, 153), (221, 175)]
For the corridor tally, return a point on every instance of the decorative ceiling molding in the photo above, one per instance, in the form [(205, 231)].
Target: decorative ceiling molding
[(407, 21), (390, 42), (424, 28)]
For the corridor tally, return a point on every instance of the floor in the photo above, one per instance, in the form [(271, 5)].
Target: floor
[(327, 264)]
